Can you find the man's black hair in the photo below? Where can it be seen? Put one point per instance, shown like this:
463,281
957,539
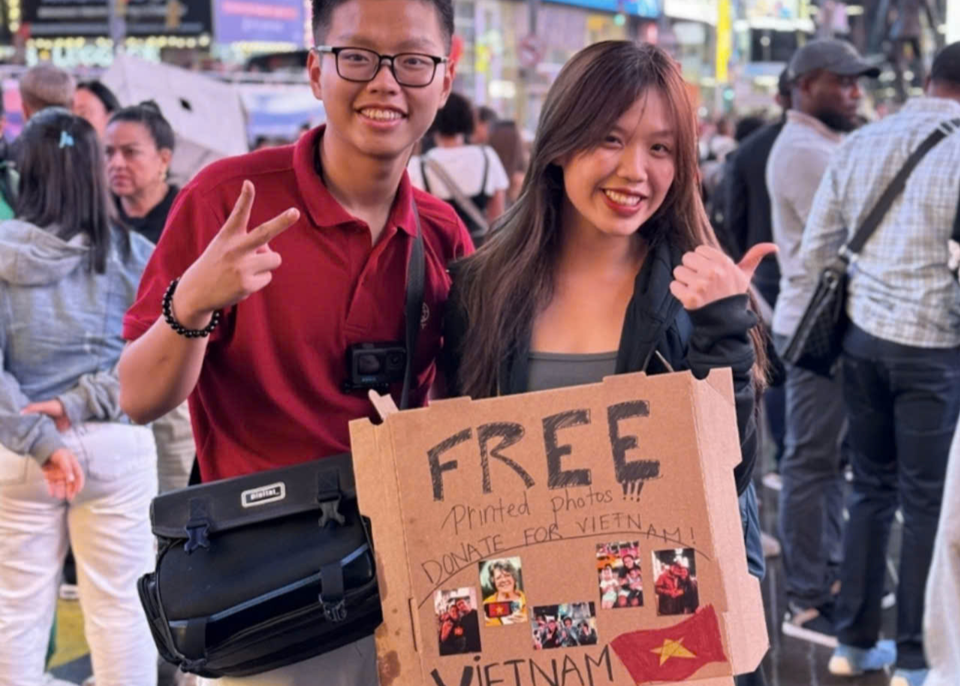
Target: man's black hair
487,115
455,118
946,65
323,11
102,93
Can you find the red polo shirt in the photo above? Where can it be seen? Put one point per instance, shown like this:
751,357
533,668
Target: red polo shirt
270,391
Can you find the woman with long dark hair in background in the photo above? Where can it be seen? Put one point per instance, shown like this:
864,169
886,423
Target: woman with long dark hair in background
74,469
607,263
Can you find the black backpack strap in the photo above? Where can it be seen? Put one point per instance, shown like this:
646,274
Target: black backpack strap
956,223
423,174
894,189
413,309
486,169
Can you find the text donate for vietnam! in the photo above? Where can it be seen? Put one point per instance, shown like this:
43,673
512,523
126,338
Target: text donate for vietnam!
574,488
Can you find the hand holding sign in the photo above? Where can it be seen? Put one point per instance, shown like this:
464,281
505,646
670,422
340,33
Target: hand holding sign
236,264
708,275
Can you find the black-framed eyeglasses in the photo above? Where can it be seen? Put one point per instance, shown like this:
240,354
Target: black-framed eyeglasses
410,69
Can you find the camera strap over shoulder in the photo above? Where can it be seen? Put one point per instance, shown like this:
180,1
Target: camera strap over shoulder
413,312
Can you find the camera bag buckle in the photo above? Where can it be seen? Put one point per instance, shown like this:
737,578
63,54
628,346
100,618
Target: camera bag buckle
198,526
329,496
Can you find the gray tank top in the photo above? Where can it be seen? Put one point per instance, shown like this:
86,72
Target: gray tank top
558,370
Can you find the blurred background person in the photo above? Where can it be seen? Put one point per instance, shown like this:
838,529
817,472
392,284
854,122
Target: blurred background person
45,86
486,122
96,103
80,474
139,146
746,222
825,93
9,180
507,141
469,177
900,360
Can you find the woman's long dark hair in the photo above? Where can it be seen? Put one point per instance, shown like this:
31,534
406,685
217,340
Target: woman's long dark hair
63,182
509,281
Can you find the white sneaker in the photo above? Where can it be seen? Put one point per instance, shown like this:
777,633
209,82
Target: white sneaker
69,592
50,680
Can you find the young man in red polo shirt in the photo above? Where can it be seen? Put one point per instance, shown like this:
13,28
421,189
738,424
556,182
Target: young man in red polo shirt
324,268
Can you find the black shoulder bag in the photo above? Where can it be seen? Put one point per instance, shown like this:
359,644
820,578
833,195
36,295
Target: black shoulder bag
263,571
817,341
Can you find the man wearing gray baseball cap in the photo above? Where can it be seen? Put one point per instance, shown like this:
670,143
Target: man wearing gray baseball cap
825,94
841,61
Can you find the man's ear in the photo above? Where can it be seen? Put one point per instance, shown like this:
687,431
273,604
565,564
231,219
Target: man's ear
314,71
449,74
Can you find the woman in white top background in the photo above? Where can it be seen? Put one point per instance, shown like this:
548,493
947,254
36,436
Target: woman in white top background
476,170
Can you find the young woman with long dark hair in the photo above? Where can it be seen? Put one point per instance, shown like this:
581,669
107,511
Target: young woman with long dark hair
73,470
607,263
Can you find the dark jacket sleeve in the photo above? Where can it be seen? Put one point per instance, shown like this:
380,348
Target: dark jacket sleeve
733,237
721,338
454,330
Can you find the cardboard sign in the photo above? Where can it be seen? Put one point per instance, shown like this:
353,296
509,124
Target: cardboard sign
584,536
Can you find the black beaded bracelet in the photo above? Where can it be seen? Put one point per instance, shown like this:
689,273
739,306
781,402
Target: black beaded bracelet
177,326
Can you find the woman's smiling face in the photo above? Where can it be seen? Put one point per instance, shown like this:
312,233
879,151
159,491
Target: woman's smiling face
504,581
618,185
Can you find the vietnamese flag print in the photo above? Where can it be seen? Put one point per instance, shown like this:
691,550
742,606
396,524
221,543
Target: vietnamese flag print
672,654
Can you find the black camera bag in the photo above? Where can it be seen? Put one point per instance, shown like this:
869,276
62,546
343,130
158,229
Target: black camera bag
262,571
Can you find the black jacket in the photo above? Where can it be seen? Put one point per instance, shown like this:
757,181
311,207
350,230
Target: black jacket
747,218
150,226
714,336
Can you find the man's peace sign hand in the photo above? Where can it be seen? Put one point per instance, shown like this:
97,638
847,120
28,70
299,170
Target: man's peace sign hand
236,264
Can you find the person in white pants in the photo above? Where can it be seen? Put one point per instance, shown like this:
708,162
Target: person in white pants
74,469
108,528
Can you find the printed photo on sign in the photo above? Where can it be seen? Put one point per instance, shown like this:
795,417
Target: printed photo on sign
618,570
458,622
564,626
675,574
503,599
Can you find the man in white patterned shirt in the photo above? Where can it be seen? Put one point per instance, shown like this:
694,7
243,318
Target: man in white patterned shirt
901,359
825,77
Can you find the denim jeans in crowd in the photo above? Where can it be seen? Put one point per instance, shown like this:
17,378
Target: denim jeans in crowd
756,565
811,502
902,404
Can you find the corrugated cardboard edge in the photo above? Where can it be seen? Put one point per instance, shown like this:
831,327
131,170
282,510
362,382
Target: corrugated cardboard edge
744,623
397,636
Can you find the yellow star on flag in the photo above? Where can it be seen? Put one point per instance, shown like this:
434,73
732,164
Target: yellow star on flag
672,649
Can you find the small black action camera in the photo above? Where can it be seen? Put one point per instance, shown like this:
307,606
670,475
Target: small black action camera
374,366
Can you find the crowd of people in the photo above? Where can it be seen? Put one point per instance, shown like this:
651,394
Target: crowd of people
885,419
154,336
